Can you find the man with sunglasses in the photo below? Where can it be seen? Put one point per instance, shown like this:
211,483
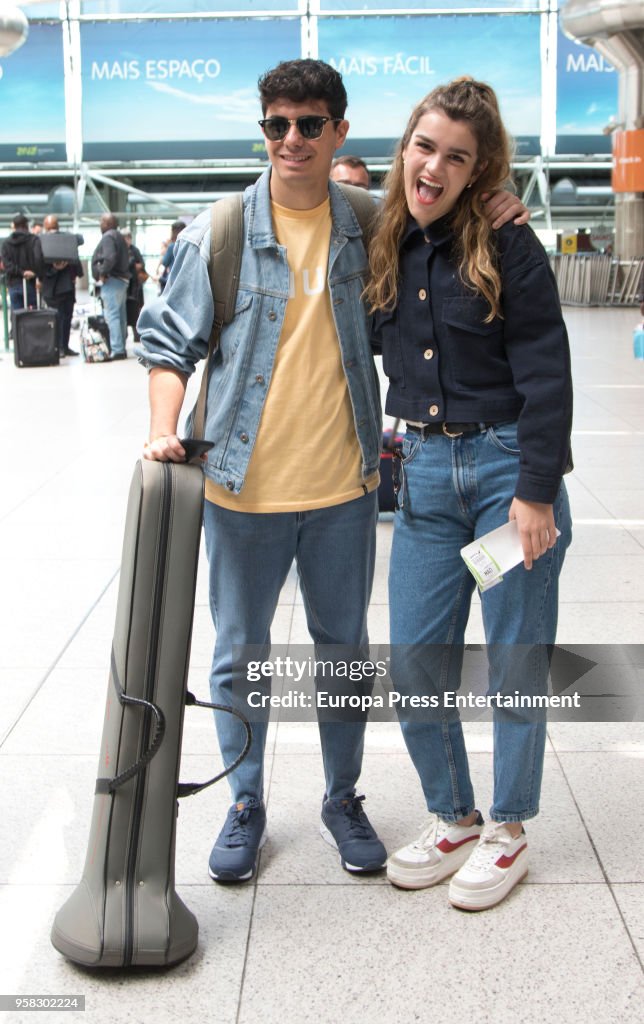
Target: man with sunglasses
294,413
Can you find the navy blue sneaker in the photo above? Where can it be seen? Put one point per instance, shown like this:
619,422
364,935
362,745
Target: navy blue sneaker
234,855
346,826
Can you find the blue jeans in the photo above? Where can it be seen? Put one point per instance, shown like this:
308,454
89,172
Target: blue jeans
453,491
114,295
250,555
17,298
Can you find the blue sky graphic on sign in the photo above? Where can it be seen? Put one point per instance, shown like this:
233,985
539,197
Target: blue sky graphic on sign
586,98
187,88
169,89
32,98
389,64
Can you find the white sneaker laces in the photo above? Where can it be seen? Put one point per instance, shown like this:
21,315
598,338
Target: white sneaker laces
434,830
489,848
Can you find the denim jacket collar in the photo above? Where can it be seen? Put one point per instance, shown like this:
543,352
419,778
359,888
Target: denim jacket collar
260,222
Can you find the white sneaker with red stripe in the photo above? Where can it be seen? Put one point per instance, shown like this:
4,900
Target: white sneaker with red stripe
495,866
440,850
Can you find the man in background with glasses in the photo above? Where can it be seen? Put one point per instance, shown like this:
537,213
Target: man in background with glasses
294,413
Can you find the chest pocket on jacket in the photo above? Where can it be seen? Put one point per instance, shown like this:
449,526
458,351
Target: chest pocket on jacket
386,332
476,349
233,332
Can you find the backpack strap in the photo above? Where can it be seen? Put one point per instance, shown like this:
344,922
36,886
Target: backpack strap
364,208
226,240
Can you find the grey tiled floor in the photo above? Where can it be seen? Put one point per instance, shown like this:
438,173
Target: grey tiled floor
306,941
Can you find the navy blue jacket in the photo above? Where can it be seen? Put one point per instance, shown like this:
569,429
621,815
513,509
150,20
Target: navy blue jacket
445,364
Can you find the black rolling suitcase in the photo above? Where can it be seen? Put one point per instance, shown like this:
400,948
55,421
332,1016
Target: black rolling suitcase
35,335
125,912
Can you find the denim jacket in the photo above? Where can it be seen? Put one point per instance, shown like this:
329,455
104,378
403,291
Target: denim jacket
176,327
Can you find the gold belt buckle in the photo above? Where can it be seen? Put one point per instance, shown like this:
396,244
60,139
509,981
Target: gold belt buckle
448,434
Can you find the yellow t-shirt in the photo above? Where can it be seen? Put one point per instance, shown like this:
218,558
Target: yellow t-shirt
306,453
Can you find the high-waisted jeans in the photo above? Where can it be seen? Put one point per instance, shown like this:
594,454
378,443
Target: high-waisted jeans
453,491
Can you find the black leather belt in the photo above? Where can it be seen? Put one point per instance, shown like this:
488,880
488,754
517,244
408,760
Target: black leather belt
449,429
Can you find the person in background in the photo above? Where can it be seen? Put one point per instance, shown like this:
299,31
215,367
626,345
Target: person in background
111,268
21,260
59,289
350,170
167,259
476,351
37,227
138,276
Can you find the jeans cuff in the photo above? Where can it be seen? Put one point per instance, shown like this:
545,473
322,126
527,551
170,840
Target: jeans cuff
519,816
452,816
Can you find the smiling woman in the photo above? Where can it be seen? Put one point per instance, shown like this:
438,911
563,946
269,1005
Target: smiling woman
454,137
440,161
475,348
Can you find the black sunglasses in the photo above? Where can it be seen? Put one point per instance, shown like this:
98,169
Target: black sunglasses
310,126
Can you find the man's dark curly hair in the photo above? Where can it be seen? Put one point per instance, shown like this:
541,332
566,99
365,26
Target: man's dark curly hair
302,80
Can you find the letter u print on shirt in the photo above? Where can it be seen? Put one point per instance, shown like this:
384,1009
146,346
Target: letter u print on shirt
312,282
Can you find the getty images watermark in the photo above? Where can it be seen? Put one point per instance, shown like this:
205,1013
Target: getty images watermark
430,682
